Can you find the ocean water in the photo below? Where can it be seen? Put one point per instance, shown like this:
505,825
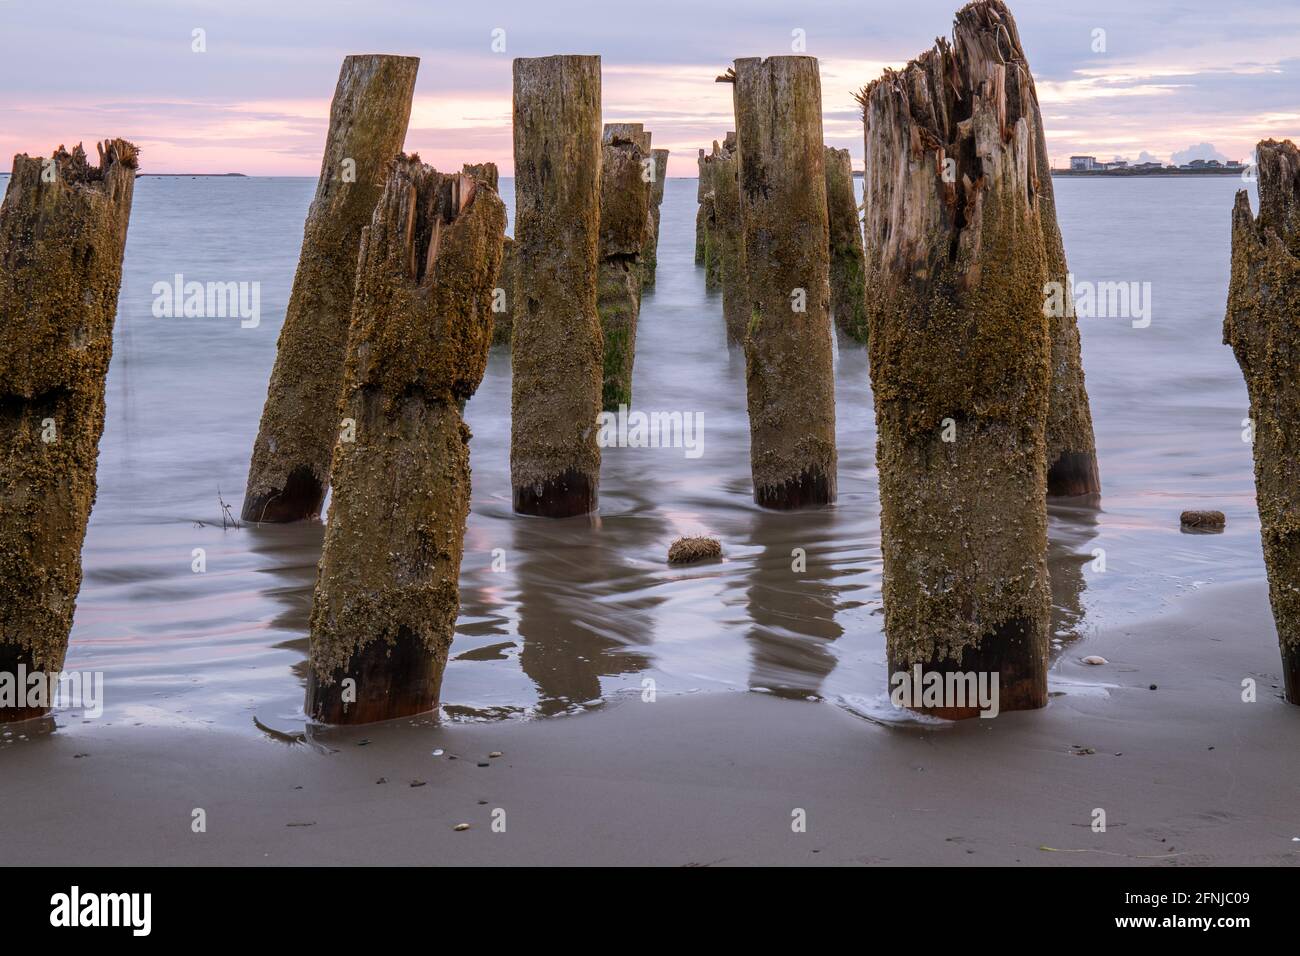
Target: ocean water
585,609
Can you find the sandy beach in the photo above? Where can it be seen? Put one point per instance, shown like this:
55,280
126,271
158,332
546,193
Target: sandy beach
1188,774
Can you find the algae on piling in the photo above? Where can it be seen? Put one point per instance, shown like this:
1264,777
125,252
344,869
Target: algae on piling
1262,325
960,360
63,226
289,471
387,589
557,352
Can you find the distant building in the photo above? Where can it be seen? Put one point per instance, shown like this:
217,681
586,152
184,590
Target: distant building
1083,163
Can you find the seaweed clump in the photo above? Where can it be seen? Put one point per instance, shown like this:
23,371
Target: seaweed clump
688,550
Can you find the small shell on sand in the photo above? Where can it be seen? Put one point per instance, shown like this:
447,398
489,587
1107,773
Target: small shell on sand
690,550
1203,521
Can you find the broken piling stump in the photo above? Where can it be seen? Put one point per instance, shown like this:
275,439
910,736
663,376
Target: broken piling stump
847,262
387,588
63,229
290,465
650,252
791,391
624,210
1263,327
728,242
959,352
557,353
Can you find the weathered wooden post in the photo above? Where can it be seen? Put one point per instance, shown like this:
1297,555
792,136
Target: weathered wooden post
1263,327
291,456
62,233
789,380
624,210
557,355
848,265
960,354
1071,447
728,244
701,218
503,295
650,252
387,589
712,254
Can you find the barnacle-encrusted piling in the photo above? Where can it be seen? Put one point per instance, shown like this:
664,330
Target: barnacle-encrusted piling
788,375
848,266
1263,327
650,252
1071,447
62,233
557,354
960,354
712,254
624,209
503,296
291,456
728,243
387,591
701,216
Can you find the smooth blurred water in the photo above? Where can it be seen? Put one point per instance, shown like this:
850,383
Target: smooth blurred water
588,608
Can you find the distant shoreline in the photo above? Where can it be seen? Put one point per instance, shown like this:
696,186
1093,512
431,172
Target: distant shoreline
1122,173
191,175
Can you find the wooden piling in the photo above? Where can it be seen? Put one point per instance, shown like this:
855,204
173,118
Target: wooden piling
387,589
557,354
289,471
848,264
728,242
709,206
1263,327
650,252
624,209
960,352
63,229
791,390
504,300
701,223
1071,447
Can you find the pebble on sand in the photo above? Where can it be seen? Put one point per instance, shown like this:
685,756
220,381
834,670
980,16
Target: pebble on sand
461,826
1210,522
1095,659
690,550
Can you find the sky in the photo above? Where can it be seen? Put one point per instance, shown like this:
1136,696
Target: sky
1185,78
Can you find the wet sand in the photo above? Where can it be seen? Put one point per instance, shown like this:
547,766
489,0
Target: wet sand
1188,774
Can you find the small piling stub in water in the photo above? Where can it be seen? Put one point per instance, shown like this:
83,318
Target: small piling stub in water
848,265
1202,522
728,241
791,391
959,353
63,229
557,353
387,588
650,252
1263,327
289,471
624,210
